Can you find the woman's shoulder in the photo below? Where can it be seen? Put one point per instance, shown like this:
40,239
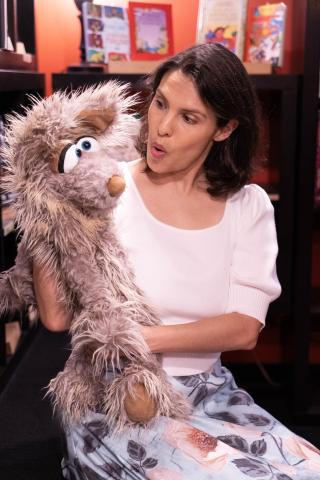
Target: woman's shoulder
251,194
251,201
127,166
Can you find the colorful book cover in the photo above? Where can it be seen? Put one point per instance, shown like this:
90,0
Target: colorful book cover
106,32
150,30
222,21
265,34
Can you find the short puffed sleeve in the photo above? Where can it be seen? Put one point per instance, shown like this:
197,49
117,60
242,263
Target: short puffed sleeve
253,279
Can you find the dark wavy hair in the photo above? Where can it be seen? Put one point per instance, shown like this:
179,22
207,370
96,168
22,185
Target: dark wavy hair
224,85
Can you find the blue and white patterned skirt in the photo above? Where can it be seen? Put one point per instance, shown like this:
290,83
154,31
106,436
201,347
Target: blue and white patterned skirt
227,437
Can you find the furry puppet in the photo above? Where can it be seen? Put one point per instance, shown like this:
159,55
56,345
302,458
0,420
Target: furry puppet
59,163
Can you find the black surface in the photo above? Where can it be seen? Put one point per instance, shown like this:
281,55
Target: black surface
31,439
17,80
26,29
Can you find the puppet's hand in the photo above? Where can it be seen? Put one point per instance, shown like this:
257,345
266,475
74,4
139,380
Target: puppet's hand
108,337
16,288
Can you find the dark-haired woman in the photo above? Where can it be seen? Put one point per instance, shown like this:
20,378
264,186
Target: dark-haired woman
203,246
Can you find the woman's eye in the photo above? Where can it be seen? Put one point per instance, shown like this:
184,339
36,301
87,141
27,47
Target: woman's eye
88,144
69,158
159,103
189,119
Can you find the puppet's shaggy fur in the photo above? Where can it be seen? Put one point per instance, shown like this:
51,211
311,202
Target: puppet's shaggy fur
66,224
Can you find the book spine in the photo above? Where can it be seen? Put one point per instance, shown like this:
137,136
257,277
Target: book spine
3,24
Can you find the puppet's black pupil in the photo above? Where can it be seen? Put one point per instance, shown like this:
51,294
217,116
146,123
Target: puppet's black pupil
86,145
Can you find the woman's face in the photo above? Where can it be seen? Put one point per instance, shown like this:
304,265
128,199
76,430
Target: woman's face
181,127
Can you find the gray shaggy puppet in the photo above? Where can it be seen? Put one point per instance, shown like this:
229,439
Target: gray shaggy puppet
59,162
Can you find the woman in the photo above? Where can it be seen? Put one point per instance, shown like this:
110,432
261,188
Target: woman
203,246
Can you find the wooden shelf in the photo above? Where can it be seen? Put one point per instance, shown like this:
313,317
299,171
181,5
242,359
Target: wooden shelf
12,60
73,80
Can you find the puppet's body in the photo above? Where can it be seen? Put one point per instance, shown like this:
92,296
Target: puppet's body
59,164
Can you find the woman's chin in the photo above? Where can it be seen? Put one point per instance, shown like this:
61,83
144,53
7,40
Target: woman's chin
153,163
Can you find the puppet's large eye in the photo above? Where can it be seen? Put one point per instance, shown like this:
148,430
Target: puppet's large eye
69,158
88,144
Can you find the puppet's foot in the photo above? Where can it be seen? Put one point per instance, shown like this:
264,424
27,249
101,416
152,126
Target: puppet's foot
140,407
140,395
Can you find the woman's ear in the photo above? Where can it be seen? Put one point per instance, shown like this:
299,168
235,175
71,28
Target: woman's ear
224,132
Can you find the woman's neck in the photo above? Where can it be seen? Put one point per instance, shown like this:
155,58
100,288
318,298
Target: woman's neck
182,182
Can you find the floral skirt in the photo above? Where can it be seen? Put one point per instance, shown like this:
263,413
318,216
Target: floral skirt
227,437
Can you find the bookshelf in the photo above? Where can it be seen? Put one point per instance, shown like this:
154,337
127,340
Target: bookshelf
15,86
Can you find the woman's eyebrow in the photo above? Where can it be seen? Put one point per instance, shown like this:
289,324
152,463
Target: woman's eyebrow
197,112
185,110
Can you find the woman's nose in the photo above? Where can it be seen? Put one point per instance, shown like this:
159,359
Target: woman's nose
165,126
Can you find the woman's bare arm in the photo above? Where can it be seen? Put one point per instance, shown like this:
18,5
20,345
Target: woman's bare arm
53,314
231,331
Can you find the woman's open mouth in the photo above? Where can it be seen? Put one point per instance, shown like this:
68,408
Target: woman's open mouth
157,151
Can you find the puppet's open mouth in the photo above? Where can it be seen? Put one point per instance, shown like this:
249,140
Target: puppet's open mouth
115,185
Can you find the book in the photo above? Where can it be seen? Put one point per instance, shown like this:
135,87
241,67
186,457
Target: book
106,33
3,24
150,31
266,33
222,21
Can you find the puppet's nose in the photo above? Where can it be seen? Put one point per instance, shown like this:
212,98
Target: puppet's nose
115,185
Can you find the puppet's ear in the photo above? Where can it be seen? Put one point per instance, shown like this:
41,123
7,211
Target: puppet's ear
96,121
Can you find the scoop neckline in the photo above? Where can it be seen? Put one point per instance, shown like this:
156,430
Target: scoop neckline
167,225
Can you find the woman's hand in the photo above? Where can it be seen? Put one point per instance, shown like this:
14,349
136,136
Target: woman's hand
53,314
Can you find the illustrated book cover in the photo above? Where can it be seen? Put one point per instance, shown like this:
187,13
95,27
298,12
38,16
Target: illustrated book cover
150,30
266,33
106,33
222,21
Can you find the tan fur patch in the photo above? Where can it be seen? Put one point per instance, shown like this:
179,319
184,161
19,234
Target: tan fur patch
96,121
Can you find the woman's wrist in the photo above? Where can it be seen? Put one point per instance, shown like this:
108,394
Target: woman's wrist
156,337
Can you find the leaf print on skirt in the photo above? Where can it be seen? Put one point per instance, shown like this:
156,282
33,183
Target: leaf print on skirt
252,467
301,448
204,448
247,432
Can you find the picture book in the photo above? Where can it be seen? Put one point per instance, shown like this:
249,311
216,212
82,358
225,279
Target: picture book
222,21
265,33
106,33
150,30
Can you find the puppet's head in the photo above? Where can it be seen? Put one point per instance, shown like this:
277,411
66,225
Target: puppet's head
63,149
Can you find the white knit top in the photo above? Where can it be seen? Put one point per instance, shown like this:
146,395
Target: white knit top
191,274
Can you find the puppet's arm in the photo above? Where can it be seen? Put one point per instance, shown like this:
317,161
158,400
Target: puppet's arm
16,287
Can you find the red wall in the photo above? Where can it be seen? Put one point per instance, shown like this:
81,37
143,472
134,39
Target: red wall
58,32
